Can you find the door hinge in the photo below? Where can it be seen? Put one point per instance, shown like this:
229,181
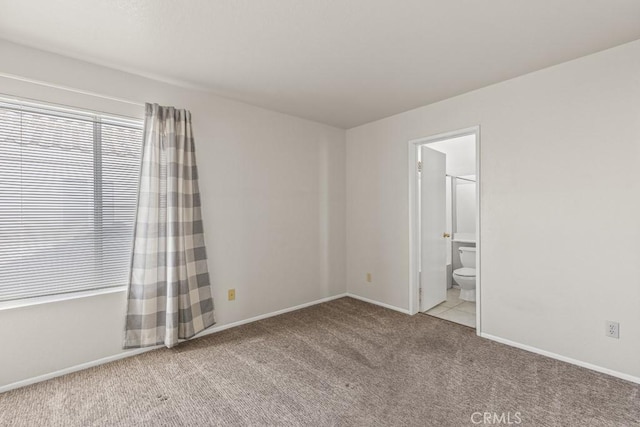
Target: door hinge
419,287
419,166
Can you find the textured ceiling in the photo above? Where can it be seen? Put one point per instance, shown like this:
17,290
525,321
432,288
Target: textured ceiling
341,62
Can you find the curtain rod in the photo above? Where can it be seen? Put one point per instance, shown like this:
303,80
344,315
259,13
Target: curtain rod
70,89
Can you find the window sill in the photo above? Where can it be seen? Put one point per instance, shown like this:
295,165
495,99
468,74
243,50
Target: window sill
28,302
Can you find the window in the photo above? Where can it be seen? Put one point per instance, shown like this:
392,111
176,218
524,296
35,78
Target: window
68,192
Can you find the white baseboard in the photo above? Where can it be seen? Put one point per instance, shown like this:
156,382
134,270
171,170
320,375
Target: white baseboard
381,304
129,353
80,367
563,358
215,329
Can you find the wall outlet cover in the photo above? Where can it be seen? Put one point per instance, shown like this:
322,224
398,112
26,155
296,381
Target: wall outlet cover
613,329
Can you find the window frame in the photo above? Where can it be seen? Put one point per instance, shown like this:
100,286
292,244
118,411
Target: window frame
98,119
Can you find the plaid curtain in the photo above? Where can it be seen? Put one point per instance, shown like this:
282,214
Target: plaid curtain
169,291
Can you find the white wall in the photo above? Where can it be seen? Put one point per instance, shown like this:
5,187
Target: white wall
461,154
465,207
560,150
273,193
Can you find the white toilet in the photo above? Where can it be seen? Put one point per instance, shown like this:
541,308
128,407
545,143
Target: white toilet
466,276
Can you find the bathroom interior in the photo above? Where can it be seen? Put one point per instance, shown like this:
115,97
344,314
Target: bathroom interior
460,233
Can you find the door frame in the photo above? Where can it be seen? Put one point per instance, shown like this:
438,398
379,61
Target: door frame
414,199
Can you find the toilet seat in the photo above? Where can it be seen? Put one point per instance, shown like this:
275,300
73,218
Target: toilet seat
465,272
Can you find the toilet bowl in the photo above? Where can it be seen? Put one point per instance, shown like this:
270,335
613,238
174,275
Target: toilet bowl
466,276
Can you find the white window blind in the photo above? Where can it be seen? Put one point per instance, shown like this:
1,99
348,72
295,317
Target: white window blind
68,192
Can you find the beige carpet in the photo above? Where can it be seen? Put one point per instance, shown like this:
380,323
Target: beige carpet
340,363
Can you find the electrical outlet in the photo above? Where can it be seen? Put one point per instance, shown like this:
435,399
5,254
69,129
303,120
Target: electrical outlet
232,294
613,329
369,278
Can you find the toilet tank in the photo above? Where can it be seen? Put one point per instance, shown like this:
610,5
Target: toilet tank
467,256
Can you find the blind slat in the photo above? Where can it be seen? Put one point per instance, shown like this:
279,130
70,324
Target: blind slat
68,189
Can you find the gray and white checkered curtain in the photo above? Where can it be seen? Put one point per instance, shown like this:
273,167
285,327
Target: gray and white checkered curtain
169,291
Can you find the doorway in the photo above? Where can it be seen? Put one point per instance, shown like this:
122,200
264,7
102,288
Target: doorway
445,226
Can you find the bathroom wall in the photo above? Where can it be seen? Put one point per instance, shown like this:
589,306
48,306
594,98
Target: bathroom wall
553,268
460,152
465,207
465,217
